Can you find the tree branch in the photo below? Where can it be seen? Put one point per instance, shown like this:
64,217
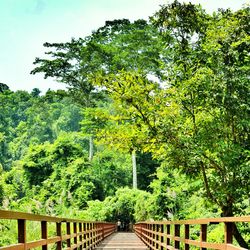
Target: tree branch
209,194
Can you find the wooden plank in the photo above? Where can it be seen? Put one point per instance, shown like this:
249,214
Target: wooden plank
66,237
201,221
219,246
37,243
122,240
14,247
53,240
4,214
13,215
42,242
232,247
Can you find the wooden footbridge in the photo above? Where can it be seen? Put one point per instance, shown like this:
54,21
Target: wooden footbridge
63,233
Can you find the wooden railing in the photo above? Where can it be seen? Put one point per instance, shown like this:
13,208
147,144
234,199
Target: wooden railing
69,233
177,234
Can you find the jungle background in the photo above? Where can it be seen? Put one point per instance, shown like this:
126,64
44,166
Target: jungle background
172,92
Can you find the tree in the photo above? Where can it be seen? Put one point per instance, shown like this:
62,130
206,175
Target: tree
35,92
123,45
70,67
122,206
118,45
12,112
199,123
3,87
146,171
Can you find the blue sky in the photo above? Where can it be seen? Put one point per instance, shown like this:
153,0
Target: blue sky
26,24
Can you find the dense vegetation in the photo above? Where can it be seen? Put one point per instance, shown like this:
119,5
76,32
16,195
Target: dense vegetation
174,90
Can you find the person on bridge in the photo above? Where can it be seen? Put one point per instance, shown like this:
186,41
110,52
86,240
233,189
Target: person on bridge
118,225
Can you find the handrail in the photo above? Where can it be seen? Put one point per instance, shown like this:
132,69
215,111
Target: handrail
171,235
85,234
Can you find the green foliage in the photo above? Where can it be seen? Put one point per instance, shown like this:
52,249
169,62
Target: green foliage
28,119
178,197
3,87
7,236
113,169
54,176
124,205
146,169
37,165
189,126
14,185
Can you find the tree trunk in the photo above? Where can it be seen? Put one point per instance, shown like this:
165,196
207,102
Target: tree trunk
91,148
237,235
134,169
227,211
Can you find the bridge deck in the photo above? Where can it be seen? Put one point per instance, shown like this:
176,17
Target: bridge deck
122,241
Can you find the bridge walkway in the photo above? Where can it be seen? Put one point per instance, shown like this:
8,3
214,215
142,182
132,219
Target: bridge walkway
123,241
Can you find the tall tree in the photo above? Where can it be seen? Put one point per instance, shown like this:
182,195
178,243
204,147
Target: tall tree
118,45
70,66
197,120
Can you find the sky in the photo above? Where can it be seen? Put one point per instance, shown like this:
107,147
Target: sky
26,24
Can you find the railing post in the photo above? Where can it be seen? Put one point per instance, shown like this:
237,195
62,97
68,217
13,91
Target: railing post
187,232
168,234
228,232
98,232
154,235
177,234
80,236
142,230
91,234
94,233
84,235
68,233
149,233
157,236
44,230
162,237
75,232
21,231
88,235
203,234
103,231
59,233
